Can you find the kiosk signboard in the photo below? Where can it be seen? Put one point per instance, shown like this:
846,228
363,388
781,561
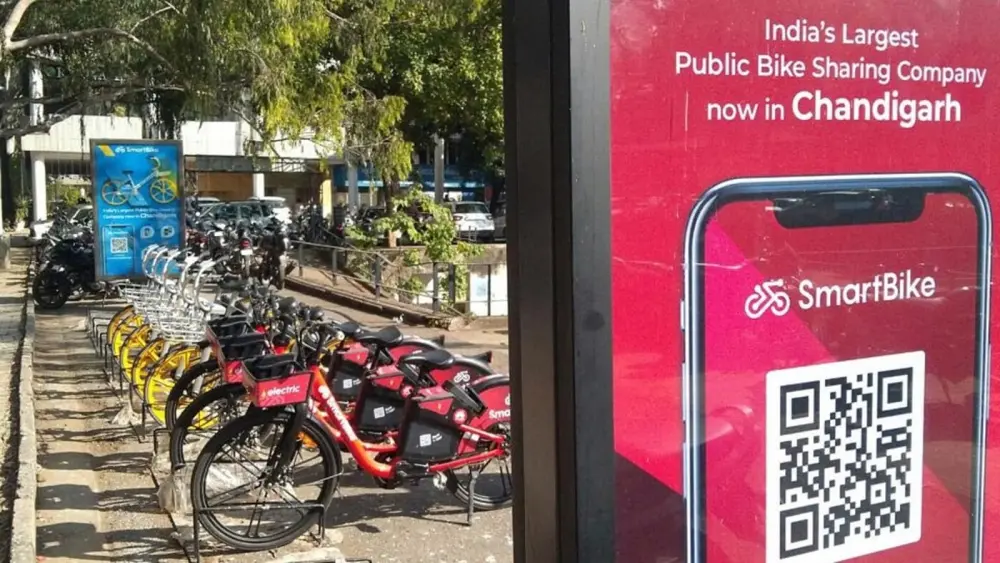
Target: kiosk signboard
138,201
802,219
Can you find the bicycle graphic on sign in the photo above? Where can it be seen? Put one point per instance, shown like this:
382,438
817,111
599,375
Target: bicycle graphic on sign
162,188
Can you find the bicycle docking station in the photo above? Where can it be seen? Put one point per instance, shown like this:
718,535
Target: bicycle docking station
196,525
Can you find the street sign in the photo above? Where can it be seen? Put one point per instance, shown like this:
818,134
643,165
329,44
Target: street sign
138,201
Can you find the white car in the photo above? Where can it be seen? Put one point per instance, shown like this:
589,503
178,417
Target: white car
472,220
278,207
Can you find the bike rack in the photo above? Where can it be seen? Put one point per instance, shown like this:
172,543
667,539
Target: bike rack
196,524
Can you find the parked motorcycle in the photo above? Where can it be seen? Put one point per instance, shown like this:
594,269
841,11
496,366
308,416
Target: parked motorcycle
68,273
272,263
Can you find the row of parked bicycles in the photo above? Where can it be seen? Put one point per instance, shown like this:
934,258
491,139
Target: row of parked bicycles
65,254
262,397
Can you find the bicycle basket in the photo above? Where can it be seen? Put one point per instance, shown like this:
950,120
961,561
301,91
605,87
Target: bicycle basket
227,326
220,330
272,381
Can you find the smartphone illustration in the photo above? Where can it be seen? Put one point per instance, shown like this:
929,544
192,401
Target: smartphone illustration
836,375
118,252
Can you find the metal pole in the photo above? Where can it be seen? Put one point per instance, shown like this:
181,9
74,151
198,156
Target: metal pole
435,301
438,169
451,283
378,277
333,265
300,258
489,290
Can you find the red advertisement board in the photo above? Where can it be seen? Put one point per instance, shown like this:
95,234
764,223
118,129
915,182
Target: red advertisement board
803,203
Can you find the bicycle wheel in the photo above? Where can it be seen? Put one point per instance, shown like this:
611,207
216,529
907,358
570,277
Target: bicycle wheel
486,500
117,338
113,194
163,376
207,413
183,392
135,341
147,358
240,453
124,313
162,191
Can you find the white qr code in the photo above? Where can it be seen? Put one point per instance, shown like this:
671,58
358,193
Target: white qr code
844,458
119,245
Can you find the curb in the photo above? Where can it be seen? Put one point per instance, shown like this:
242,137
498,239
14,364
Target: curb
23,532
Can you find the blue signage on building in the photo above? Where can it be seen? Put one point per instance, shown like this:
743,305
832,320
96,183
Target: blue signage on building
138,201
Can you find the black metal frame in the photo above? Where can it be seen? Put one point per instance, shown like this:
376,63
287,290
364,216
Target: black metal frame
557,106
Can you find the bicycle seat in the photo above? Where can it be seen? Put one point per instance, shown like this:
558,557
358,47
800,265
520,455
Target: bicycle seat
429,359
127,172
349,328
387,337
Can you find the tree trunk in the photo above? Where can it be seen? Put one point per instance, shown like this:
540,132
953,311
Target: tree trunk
391,188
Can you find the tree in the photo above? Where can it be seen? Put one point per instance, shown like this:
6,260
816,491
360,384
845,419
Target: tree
447,63
268,61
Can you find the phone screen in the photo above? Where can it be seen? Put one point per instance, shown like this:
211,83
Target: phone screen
835,388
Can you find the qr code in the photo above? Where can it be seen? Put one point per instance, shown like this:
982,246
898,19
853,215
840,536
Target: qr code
844,458
119,245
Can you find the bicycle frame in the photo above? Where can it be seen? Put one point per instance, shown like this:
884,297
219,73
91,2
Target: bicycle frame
324,407
138,186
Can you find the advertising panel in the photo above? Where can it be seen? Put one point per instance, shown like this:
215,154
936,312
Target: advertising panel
803,203
138,201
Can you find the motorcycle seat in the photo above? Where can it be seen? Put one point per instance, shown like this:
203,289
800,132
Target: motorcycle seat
387,337
428,360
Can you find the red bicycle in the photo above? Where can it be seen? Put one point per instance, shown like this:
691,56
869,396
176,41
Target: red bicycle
294,413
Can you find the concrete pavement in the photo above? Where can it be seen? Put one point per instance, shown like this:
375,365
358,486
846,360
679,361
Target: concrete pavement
97,500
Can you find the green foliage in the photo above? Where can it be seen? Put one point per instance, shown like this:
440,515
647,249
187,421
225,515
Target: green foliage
289,67
445,60
22,208
429,224
66,193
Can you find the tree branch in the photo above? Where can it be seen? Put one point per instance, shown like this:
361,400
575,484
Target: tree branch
166,8
71,111
50,38
102,91
14,20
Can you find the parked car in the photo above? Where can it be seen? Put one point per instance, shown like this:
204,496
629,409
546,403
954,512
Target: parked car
252,211
472,220
278,207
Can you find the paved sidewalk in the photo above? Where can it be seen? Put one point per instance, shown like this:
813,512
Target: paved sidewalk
11,331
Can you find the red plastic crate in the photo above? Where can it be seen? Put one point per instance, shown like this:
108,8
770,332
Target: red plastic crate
233,371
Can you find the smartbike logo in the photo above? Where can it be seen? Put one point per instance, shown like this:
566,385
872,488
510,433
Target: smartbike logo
773,296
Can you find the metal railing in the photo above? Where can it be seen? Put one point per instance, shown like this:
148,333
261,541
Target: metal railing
478,289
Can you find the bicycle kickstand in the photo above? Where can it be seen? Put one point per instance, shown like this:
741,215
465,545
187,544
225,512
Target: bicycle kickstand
472,496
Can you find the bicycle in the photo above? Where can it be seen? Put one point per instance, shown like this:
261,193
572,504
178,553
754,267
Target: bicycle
293,410
162,187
